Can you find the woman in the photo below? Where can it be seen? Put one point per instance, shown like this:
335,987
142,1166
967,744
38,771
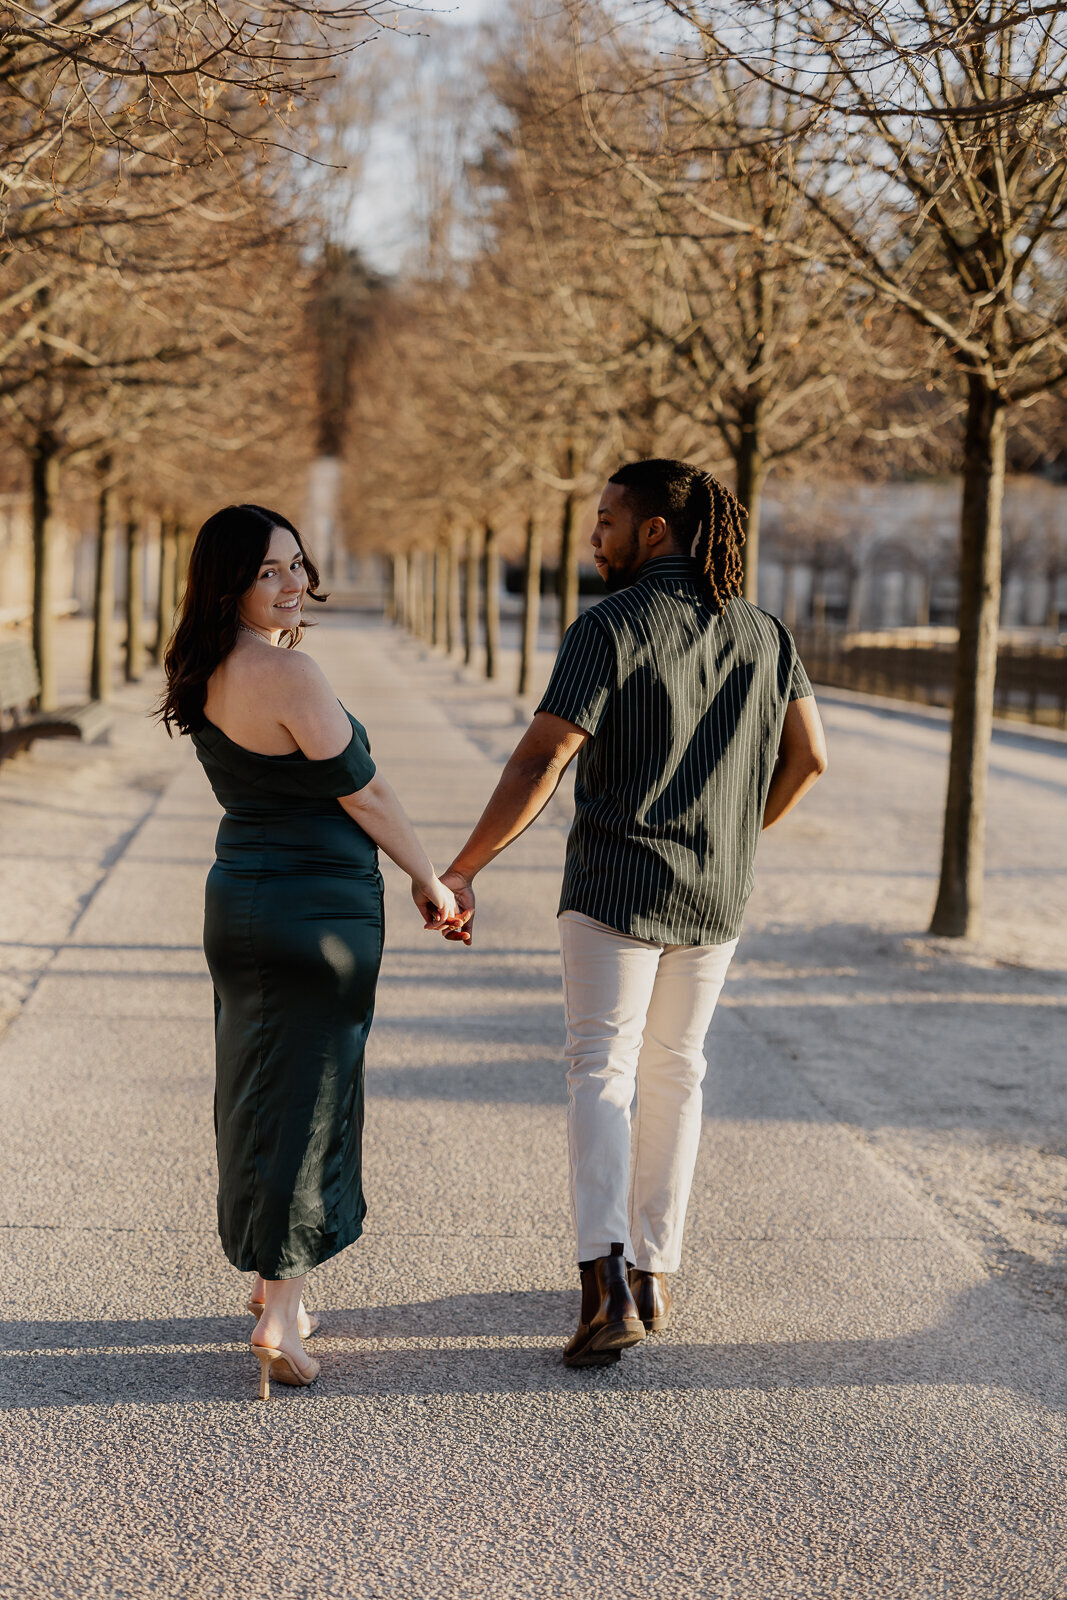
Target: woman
293,919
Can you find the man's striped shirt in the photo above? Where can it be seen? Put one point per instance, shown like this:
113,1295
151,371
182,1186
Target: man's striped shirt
685,709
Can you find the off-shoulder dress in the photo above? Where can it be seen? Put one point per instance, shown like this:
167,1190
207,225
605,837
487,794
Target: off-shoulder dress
293,932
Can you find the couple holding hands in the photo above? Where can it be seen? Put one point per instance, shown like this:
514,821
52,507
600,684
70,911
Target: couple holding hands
694,727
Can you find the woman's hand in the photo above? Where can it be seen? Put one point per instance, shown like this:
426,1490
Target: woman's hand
461,932
436,903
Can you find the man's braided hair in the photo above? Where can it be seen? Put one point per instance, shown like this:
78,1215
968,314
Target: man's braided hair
701,514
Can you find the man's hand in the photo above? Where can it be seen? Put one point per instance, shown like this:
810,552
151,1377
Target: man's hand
463,889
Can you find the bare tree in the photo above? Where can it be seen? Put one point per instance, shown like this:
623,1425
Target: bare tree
104,589
492,601
531,604
764,340
97,102
947,144
471,588
117,353
135,636
168,558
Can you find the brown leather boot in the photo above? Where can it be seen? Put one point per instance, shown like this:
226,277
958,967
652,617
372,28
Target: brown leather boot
653,1298
608,1321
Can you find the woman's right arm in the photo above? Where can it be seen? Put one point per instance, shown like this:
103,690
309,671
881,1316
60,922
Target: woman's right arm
379,813
309,709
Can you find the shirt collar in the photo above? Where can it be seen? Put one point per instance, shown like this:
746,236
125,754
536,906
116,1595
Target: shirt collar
674,568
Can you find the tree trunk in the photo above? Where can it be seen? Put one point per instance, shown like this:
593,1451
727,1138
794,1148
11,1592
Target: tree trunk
470,599
427,596
389,563
440,594
789,598
134,597
751,474
1052,601
452,610
568,566
414,591
858,589
958,911
168,560
531,605
398,600
818,601
492,602
103,598
44,465
184,549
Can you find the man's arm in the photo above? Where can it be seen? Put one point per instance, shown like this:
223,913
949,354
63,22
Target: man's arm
526,785
801,758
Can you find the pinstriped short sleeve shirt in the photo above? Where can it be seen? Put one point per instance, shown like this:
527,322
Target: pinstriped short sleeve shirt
685,709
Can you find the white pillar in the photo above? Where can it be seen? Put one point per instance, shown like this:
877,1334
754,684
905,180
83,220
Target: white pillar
322,522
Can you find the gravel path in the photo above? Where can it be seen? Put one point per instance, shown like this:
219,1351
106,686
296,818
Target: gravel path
865,1388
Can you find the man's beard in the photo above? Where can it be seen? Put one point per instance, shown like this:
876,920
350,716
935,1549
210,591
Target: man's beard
621,577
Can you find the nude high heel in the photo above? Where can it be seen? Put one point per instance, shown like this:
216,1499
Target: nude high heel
277,1365
314,1320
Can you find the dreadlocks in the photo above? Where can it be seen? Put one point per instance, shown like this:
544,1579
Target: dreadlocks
702,517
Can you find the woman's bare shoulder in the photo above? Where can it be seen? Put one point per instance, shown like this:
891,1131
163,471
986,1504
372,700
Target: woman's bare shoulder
257,680
299,676
286,671
261,693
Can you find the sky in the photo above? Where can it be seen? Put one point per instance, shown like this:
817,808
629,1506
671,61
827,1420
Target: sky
382,218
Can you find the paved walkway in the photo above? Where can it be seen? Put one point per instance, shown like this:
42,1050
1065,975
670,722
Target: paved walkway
865,1390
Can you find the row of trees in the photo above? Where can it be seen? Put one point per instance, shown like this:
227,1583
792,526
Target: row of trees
815,237
160,242
812,240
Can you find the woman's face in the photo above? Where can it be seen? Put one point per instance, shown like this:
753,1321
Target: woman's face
275,599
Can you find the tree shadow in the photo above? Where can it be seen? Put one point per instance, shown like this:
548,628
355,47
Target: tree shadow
531,1082
445,1351
1022,738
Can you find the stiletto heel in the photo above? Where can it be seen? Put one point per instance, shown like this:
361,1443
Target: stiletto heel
264,1370
281,1367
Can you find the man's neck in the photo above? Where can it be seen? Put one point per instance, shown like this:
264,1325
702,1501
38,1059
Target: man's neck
658,553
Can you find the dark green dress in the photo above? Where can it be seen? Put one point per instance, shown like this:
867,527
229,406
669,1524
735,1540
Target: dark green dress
293,930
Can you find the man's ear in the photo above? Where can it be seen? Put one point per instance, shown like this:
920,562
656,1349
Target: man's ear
655,530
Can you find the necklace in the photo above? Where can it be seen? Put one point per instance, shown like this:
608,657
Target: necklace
244,629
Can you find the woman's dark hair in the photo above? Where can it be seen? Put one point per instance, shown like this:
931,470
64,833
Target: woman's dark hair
701,515
225,561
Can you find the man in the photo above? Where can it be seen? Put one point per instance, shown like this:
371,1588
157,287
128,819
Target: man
694,726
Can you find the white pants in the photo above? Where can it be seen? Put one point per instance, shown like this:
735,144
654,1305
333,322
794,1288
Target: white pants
637,1014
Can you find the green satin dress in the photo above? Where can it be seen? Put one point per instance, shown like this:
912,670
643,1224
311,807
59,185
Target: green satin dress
293,931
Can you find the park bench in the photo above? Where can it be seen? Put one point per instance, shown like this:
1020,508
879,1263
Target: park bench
19,685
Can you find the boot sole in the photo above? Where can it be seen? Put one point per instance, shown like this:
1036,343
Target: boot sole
656,1324
592,1358
618,1335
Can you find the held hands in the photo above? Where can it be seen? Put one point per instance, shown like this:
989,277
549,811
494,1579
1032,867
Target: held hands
463,889
439,909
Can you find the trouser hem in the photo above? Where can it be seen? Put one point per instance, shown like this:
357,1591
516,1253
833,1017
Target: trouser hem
595,1252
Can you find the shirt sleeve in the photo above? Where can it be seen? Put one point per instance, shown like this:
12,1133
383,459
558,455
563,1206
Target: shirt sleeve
583,677
800,686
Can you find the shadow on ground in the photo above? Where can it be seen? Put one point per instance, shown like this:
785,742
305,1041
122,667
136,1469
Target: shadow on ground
66,1364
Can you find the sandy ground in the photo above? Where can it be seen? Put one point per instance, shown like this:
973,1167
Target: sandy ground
67,813
864,1390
